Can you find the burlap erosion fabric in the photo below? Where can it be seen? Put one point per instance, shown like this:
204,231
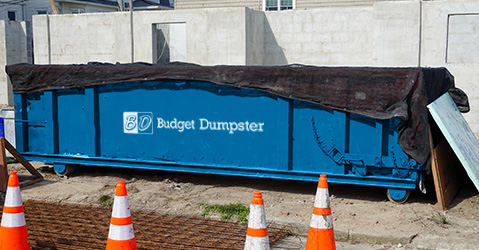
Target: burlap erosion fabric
380,93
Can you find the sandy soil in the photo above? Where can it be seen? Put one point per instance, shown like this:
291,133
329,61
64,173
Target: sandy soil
360,214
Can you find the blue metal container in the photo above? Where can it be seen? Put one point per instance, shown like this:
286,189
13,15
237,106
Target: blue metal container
201,127
2,128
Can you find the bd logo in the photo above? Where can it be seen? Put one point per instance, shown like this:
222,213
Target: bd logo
138,122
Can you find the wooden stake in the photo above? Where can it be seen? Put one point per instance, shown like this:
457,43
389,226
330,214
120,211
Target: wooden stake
52,3
3,166
4,144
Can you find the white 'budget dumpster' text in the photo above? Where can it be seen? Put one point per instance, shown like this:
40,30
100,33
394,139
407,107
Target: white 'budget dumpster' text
205,124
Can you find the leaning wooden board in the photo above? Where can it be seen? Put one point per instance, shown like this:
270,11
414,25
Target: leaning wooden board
446,169
458,135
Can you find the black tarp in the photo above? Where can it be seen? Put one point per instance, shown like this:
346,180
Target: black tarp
380,93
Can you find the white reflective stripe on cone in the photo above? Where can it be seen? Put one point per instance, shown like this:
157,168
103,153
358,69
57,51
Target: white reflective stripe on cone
322,198
257,243
121,208
13,220
255,220
322,221
13,198
121,232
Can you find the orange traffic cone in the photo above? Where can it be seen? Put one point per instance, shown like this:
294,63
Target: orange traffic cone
13,230
257,233
321,232
121,234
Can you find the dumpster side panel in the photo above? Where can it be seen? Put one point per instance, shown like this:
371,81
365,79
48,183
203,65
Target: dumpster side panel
364,135
194,123
36,112
314,125
20,127
75,119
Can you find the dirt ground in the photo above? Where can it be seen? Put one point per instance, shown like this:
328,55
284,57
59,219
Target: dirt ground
61,226
360,214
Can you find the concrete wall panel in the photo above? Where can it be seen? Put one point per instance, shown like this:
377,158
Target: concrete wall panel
41,39
178,42
13,49
463,38
254,37
66,39
327,36
4,90
397,33
213,36
436,16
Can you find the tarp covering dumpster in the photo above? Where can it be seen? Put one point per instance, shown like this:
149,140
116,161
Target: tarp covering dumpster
380,93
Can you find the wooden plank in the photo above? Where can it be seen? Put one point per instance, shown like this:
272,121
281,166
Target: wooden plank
447,173
435,173
22,160
30,182
3,166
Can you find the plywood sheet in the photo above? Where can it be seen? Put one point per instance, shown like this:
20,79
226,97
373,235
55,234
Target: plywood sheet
458,134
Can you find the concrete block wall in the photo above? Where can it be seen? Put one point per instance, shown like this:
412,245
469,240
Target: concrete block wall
16,33
13,49
326,36
66,39
396,32
5,86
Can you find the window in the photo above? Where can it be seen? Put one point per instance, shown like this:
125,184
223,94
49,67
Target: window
77,10
12,16
42,12
270,5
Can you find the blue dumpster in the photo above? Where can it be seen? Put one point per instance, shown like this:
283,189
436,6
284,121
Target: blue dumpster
185,121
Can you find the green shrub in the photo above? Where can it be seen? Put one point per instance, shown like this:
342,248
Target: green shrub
105,200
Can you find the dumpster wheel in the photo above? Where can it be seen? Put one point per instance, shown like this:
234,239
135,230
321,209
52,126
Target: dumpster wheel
398,195
63,169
